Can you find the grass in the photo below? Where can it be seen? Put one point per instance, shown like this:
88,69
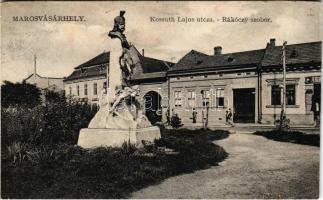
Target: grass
291,136
67,171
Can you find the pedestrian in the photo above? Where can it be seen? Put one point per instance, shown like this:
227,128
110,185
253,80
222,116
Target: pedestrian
228,117
168,116
194,114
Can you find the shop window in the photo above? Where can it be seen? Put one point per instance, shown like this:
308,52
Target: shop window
78,90
178,98
191,96
95,88
220,97
290,95
85,89
275,95
105,87
205,98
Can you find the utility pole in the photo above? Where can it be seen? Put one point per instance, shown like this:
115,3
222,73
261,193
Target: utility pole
283,109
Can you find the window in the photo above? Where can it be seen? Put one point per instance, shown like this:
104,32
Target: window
178,99
95,88
85,89
105,87
70,91
78,90
191,95
220,97
275,95
205,98
290,95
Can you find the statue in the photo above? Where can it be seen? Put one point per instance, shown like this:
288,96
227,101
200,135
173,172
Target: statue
129,58
118,29
120,119
123,111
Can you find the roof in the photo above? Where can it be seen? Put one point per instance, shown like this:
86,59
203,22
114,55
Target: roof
31,75
103,58
150,65
88,72
153,75
189,60
96,66
197,61
295,54
152,68
270,56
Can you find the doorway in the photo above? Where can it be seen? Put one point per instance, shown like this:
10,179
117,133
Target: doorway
316,102
153,107
244,105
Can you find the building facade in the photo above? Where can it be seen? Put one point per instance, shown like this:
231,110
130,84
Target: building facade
88,80
249,83
45,83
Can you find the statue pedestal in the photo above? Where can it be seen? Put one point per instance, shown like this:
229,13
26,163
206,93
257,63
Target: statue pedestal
96,137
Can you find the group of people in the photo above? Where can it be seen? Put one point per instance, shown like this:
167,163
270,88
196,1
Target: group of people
175,118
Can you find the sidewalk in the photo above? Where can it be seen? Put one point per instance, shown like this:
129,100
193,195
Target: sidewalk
252,127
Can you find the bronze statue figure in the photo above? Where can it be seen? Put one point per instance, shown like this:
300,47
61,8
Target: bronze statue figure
129,58
118,29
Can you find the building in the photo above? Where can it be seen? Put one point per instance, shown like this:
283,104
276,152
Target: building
249,82
44,83
303,82
88,80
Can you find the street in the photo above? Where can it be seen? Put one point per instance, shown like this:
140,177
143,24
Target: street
256,168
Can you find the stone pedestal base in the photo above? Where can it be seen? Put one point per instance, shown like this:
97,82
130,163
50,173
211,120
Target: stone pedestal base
96,137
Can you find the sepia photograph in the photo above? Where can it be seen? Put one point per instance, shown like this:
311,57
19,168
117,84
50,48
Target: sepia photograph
160,99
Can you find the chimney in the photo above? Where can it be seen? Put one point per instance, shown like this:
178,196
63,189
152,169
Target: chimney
272,42
143,52
217,50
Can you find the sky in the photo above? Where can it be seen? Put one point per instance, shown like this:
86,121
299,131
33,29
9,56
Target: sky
62,46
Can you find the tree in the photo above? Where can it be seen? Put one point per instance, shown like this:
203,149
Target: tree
52,96
19,94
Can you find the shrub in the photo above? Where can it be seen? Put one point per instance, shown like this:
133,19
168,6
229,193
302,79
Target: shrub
176,122
108,172
16,152
51,123
41,155
291,136
128,148
19,94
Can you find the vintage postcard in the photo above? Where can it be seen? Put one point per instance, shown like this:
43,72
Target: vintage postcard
160,99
